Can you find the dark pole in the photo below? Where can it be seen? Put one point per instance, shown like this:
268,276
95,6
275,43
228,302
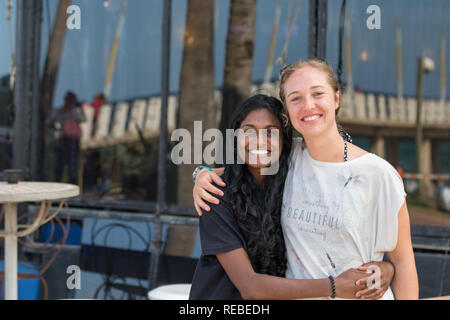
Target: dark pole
419,133
26,93
419,136
317,29
20,125
37,156
161,200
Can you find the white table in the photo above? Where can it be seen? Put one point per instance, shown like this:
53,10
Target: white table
10,196
178,291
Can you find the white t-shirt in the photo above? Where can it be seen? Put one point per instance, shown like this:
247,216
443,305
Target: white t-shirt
339,215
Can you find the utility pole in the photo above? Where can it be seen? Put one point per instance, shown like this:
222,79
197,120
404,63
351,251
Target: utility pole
317,44
26,93
424,65
162,151
399,58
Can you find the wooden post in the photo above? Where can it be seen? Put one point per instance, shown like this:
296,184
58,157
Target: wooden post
419,136
399,61
426,187
377,146
392,151
114,51
423,147
348,62
436,164
11,251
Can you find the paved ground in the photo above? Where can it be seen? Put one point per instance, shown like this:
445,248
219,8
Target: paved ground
426,216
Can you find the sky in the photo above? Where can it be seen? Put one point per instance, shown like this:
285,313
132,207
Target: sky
137,74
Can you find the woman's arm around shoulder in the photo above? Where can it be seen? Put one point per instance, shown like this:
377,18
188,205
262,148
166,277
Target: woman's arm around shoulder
258,286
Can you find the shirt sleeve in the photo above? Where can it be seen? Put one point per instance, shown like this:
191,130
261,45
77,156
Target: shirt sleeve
391,197
219,230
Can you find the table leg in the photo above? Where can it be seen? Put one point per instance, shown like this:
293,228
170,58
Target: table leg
11,251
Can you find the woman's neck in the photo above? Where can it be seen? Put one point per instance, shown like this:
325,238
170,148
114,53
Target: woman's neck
327,147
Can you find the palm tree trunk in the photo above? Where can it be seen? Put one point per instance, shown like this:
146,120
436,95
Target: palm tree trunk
196,103
49,78
239,57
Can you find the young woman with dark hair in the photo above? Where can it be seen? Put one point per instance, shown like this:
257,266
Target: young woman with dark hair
243,249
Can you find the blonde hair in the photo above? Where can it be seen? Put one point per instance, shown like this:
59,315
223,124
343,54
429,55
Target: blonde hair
321,65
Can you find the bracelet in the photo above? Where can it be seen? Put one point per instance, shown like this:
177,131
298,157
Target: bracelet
333,287
196,171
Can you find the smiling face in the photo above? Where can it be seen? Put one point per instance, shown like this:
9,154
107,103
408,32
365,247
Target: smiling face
311,101
262,143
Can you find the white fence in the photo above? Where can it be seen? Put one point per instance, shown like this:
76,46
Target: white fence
119,123
390,110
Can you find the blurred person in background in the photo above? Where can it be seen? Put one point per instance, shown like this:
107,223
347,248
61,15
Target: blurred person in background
69,117
97,102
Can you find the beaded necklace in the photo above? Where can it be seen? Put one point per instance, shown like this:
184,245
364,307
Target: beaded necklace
346,138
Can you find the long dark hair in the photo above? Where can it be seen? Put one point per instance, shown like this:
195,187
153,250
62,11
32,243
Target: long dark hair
258,210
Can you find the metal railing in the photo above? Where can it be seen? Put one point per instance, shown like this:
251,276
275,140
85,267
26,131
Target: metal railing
100,210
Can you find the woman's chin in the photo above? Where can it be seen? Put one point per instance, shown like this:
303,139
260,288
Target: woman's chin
260,164
259,161
311,132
